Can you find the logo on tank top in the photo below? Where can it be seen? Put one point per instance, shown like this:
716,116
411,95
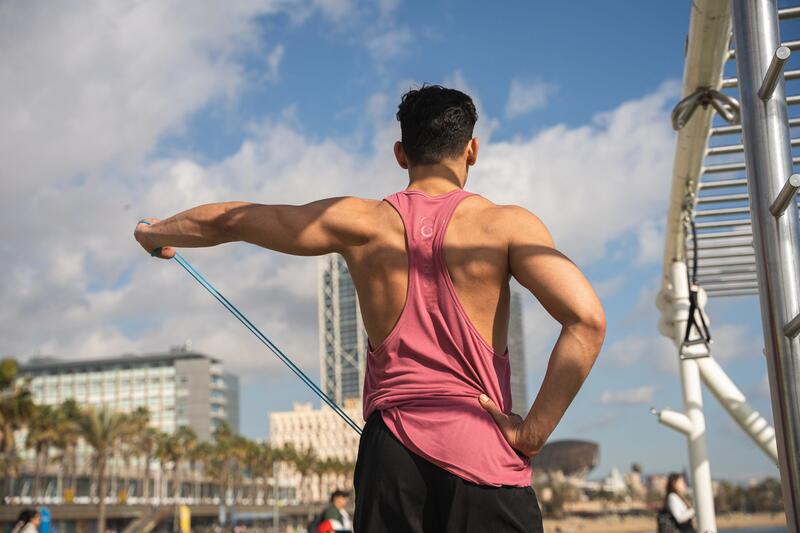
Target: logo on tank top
426,227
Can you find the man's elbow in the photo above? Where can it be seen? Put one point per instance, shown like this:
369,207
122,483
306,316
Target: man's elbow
591,326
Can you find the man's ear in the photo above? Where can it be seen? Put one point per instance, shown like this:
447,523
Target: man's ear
400,155
472,151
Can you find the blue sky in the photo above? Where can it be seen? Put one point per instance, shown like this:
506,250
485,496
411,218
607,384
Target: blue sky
146,109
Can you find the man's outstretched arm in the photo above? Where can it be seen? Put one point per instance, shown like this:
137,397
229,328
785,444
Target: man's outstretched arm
317,228
569,298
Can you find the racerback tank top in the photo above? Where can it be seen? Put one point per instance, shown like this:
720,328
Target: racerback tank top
426,376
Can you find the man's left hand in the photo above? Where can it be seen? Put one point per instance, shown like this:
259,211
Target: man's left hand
142,235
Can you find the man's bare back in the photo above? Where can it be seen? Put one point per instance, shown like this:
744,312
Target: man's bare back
476,253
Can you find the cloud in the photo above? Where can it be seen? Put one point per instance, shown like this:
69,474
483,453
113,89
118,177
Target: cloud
274,59
635,349
589,184
639,395
83,288
524,97
650,238
388,44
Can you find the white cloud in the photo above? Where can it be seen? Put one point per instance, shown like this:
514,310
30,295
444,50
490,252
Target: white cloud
527,96
648,349
388,44
84,288
589,184
735,341
639,395
274,60
650,238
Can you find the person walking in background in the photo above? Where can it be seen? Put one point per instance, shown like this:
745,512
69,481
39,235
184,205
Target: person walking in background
27,522
334,518
676,515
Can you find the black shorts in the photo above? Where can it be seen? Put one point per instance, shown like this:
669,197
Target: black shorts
397,491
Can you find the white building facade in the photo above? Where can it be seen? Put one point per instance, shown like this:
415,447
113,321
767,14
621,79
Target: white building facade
319,429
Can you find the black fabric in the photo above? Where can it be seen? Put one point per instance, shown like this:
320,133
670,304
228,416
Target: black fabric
396,491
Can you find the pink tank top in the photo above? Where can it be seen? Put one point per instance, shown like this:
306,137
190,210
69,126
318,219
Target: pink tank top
425,378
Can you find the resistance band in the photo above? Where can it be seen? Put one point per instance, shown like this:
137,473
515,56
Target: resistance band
260,336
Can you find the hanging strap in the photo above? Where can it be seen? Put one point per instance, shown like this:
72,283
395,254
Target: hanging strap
704,335
260,336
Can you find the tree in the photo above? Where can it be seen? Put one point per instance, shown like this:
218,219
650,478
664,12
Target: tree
103,429
69,436
185,443
16,409
44,432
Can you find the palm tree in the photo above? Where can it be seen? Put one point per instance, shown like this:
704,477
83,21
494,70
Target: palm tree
167,453
201,458
186,442
16,408
43,433
146,443
69,435
103,429
305,462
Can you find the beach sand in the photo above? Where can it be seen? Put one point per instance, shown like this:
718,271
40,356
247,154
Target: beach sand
614,524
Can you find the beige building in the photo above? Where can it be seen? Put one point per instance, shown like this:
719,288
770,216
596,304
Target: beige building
321,429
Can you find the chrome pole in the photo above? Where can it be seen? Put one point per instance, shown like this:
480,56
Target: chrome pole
775,239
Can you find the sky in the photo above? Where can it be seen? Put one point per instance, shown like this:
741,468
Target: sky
117,111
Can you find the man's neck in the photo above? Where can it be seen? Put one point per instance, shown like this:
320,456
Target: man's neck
439,178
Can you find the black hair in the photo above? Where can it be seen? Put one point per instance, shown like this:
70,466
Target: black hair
338,492
671,481
26,515
435,123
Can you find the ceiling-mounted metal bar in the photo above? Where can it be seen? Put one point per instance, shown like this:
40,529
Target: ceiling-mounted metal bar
730,167
722,223
789,13
721,254
728,234
724,286
737,128
723,271
792,328
722,198
734,149
785,197
722,184
722,212
774,70
721,293
729,83
791,45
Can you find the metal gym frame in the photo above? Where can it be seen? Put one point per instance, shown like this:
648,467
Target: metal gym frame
732,229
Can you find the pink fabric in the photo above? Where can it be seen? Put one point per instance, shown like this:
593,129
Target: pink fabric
426,377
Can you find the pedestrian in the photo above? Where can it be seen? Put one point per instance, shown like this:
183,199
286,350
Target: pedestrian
676,514
28,521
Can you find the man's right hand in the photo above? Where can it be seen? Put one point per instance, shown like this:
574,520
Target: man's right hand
513,429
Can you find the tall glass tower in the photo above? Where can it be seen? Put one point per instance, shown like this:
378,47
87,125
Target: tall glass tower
342,339
516,352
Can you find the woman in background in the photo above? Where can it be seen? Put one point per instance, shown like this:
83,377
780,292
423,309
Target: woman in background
27,522
677,514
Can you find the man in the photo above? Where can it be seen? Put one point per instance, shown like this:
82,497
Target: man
334,517
441,451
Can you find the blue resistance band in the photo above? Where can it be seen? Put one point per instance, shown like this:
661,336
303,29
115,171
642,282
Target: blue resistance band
260,336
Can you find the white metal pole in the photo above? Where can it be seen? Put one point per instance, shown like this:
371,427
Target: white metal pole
693,406
732,399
